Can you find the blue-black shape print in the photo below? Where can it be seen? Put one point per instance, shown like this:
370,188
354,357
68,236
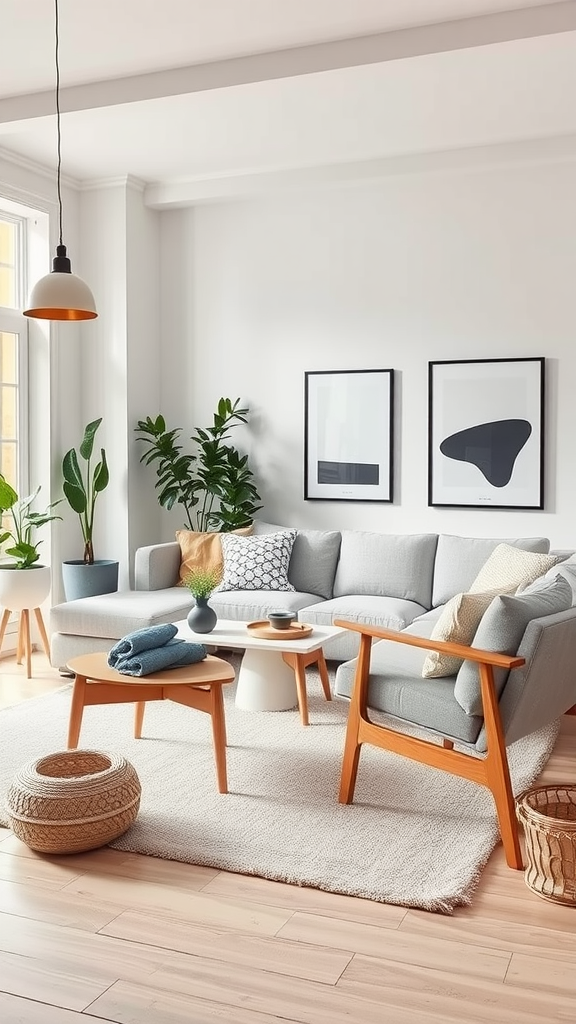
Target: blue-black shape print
492,447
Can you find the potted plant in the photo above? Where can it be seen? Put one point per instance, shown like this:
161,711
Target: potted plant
201,582
30,587
214,483
87,576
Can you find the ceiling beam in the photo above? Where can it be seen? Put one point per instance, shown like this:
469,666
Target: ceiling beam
300,60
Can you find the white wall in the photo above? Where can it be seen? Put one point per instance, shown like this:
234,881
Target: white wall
457,264
120,358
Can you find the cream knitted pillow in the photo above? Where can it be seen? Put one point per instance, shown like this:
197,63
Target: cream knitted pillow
508,567
458,623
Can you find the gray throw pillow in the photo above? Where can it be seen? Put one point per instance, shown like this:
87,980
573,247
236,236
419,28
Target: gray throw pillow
501,629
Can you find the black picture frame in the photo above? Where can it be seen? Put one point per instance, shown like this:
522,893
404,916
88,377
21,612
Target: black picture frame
349,435
486,433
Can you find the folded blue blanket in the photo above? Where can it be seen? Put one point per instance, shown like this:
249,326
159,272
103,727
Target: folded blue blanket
174,654
141,640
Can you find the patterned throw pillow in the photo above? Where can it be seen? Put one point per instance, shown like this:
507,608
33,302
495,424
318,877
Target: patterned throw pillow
508,567
257,563
457,623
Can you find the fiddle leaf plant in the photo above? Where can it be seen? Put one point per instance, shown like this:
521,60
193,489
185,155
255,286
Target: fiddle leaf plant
24,521
213,483
82,488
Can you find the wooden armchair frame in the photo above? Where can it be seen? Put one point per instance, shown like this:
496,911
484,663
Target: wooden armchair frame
491,771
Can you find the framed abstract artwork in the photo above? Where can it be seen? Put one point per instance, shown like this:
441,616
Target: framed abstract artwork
486,433
348,435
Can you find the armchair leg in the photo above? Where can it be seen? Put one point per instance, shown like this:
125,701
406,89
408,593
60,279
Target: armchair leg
497,772
350,760
356,713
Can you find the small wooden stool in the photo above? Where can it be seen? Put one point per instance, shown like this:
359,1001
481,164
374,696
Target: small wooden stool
24,646
197,686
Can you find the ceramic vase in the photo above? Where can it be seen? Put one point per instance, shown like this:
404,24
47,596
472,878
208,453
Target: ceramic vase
202,618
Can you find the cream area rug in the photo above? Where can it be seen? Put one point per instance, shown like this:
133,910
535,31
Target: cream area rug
414,835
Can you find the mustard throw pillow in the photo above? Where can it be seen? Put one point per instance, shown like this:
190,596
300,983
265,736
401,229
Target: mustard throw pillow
202,550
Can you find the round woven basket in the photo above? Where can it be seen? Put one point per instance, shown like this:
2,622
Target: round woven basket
73,800
548,814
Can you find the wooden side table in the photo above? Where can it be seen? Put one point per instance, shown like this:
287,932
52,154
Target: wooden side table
24,646
196,686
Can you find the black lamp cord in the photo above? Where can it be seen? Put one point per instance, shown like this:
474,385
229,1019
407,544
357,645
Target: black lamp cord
57,37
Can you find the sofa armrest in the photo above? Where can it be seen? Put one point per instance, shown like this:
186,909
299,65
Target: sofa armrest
446,647
156,566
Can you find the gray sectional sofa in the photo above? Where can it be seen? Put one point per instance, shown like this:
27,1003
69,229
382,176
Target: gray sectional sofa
386,580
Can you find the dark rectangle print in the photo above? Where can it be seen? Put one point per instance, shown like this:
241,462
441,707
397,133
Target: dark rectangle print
348,435
486,433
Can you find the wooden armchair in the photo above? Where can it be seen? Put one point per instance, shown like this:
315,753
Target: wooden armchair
490,771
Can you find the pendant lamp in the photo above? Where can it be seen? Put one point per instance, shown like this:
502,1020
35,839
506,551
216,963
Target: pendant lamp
60,295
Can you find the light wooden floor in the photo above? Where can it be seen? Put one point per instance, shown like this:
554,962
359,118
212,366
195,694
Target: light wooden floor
135,940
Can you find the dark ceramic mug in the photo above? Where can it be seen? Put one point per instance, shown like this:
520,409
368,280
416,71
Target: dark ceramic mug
281,619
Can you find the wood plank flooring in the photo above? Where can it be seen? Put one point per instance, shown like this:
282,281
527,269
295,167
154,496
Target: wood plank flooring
117,937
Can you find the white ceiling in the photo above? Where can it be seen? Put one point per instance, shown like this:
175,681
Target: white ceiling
181,90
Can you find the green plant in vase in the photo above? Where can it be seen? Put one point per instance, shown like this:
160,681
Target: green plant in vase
24,550
82,489
201,583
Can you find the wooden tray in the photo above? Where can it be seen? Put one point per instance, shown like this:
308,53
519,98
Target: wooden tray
263,630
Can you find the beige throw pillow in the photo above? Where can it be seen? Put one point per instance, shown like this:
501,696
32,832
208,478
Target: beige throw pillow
508,567
457,623
202,551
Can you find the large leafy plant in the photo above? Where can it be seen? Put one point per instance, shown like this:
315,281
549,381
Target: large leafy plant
24,521
82,489
213,483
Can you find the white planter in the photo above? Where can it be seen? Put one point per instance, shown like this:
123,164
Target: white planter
24,588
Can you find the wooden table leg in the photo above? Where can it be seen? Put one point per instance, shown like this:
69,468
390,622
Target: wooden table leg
42,631
299,662
139,709
3,624
76,711
219,735
323,673
19,647
26,640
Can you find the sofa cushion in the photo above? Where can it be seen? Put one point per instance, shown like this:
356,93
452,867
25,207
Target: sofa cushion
508,567
386,565
248,605
457,624
256,563
202,550
387,612
396,687
314,558
114,615
459,560
501,629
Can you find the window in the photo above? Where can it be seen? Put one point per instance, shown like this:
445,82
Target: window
13,352
11,261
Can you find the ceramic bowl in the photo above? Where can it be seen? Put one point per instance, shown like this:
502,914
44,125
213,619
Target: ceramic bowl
281,619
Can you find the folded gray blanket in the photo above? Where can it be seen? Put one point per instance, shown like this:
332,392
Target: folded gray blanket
141,640
174,654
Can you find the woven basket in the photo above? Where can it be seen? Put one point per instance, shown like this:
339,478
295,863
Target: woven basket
73,800
548,814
